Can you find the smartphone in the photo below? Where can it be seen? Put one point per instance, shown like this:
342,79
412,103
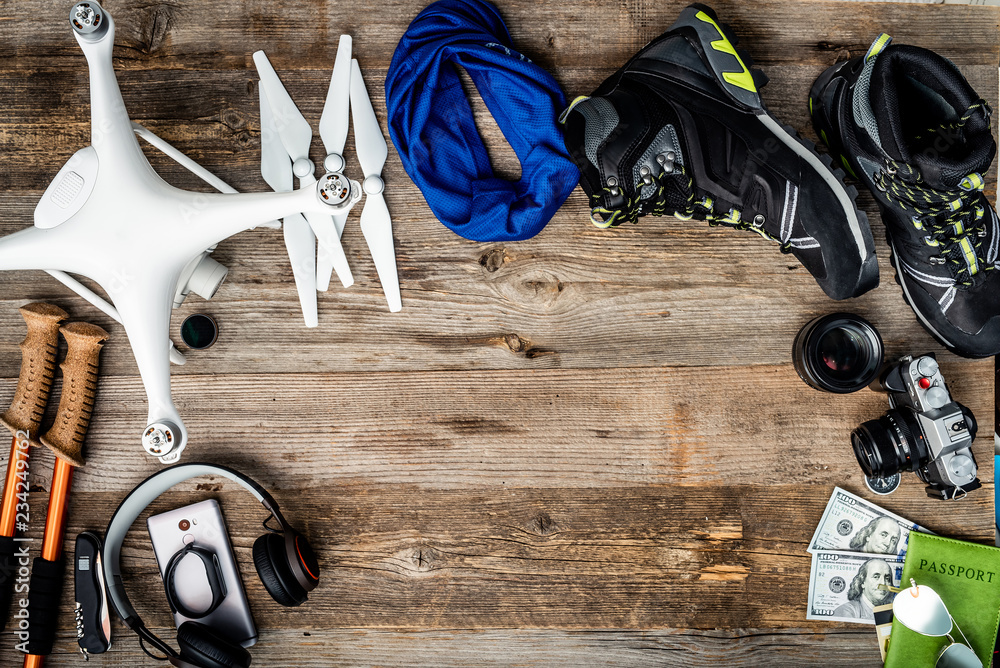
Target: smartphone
202,522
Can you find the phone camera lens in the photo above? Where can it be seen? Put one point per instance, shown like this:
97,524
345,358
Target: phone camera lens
183,525
838,353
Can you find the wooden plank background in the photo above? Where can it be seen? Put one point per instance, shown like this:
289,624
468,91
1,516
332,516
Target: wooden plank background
586,448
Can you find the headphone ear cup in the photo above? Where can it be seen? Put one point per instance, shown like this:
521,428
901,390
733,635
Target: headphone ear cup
205,648
272,566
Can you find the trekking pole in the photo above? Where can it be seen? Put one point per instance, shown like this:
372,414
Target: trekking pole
65,439
24,419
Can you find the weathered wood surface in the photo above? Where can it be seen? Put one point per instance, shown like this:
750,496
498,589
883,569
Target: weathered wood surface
612,648
586,448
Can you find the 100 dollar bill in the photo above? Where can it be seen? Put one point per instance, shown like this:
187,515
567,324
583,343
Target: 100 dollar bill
852,524
845,586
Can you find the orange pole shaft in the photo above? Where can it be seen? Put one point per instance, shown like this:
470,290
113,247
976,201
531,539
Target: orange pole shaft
55,520
55,528
8,512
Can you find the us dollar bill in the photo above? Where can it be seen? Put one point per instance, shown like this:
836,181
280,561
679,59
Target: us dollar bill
852,524
847,586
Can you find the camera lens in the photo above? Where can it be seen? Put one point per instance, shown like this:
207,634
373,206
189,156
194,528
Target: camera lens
838,353
199,331
890,444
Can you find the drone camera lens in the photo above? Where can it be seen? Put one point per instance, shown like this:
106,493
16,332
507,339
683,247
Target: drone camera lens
199,331
838,353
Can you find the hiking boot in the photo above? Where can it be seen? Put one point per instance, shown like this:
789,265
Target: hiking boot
681,130
906,123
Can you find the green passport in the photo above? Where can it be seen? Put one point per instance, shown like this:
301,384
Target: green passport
967,577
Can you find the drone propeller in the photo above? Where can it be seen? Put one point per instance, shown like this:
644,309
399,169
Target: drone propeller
276,168
376,224
333,126
296,136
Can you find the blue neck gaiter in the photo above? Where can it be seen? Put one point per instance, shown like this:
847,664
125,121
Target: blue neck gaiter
431,123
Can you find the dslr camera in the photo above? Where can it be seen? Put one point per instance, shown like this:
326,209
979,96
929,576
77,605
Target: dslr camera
925,431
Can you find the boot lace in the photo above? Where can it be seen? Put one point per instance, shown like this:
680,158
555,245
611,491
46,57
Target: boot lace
953,221
692,207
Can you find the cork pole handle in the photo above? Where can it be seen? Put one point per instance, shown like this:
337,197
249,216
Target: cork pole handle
79,391
38,369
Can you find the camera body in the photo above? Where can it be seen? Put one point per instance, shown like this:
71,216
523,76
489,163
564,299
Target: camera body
925,431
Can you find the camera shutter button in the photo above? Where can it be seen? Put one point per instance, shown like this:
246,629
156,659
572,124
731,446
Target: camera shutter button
937,397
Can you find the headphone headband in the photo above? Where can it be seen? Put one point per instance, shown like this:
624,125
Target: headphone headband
137,501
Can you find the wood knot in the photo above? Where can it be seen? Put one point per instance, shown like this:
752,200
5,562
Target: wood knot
423,558
522,346
548,287
156,27
543,524
840,52
516,343
233,120
828,46
493,259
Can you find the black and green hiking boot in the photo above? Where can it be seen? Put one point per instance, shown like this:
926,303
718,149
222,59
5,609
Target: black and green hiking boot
681,130
909,126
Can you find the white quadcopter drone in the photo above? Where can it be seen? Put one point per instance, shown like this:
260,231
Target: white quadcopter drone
109,216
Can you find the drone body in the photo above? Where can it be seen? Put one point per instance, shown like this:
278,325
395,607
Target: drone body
110,217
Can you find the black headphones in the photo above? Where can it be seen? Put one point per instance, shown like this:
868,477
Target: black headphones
284,560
